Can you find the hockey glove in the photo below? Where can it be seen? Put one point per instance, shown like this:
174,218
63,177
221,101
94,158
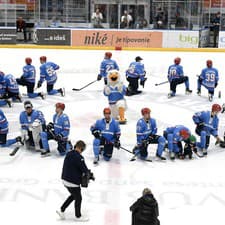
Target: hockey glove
58,137
216,85
97,134
117,144
99,77
144,143
39,84
200,126
50,126
142,83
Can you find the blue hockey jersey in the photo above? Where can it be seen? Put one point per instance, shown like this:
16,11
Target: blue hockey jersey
175,131
106,66
210,123
48,72
209,77
136,70
26,120
175,71
3,123
145,128
29,73
61,125
110,131
11,83
115,95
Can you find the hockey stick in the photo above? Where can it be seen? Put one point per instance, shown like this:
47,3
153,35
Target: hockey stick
79,89
127,150
164,82
197,154
14,151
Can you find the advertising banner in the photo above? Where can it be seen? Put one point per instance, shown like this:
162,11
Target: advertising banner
180,39
221,40
7,35
54,36
115,38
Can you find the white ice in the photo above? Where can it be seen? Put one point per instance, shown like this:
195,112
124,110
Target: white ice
188,192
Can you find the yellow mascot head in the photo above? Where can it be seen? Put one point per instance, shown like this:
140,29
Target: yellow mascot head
113,77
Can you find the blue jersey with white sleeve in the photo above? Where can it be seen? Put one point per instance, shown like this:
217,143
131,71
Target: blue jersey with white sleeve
115,94
48,72
61,125
106,66
209,77
175,71
175,131
29,73
11,83
110,131
209,122
145,128
3,123
136,70
26,120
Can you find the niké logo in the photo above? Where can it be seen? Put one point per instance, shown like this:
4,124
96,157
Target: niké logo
96,39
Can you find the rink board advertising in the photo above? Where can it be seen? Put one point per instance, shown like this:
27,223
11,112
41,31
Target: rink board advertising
53,37
106,38
7,35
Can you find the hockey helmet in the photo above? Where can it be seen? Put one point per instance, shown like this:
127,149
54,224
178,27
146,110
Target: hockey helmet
108,55
192,139
184,134
106,111
216,108
60,105
177,60
138,58
209,63
28,104
28,60
43,58
145,111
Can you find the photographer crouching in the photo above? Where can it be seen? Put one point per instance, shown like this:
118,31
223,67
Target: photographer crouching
75,174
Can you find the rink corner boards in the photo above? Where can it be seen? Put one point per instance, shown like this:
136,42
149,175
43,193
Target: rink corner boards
118,48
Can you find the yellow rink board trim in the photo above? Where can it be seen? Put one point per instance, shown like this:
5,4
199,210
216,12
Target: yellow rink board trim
31,46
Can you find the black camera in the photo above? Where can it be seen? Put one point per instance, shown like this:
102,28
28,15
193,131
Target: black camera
86,177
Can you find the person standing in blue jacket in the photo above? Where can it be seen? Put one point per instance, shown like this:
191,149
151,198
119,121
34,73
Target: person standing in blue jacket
146,131
106,65
174,136
207,123
208,78
28,79
107,135
48,73
135,72
57,130
4,129
176,76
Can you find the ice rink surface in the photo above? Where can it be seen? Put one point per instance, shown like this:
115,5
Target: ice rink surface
188,191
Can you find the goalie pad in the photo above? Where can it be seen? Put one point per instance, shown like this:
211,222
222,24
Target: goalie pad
36,129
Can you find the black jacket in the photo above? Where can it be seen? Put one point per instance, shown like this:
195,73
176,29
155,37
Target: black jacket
73,167
145,211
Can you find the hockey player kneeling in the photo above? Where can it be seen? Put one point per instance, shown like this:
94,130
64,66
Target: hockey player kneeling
32,124
107,134
146,131
58,131
115,91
